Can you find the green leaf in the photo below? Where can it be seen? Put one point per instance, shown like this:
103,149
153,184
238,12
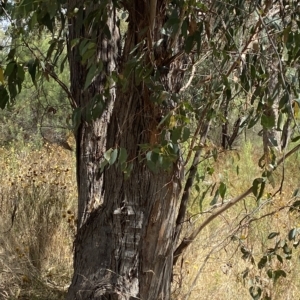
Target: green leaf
176,134
292,234
12,90
148,155
11,54
74,42
280,122
185,134
103,164
4,97
279,258
296,192
215,154
262,262
62,65
255,185
47,21
98,109
284,100
152,166
278,273
122,155
286,249
268,122
53,45
87,55
215,199
20,73
295,206
272,235
32,66
189,43
255,292
222,190
82,45
113,156
128,170
76,118
10,68
210,170
270,273
184,27
33,21
155,156
261,191
253,121
1,76
90,76
295,139
107,154
52,8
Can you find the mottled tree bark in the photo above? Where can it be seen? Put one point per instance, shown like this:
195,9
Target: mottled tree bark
271,136
91,136
124,245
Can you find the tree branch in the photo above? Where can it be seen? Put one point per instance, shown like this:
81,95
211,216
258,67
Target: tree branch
188,185
188,240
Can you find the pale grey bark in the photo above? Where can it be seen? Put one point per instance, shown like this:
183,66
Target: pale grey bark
272,136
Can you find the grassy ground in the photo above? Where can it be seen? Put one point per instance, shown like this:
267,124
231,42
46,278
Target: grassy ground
38,195
215,267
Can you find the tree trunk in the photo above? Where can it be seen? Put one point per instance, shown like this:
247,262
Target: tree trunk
271,134
124,245
91,135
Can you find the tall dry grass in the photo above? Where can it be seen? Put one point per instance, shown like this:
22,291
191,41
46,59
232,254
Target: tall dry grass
38,197
37,207
214,267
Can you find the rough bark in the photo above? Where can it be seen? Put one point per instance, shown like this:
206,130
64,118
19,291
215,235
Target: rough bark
271,136
124,245
91,136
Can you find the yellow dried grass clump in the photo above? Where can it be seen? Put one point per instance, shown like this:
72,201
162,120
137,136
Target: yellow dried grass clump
37,188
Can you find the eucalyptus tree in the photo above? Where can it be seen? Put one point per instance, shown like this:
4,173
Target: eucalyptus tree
131,117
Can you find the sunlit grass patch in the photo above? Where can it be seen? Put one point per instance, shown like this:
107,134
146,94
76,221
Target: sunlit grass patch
38,188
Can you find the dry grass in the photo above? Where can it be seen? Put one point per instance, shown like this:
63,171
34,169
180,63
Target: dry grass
38,192
213,267
38,195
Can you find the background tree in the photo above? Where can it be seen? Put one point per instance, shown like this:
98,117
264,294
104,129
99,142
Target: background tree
130,119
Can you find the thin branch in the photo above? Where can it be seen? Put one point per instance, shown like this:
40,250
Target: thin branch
177,34
195,136
55,77
50,73
188,186
153,5
193,72
188,240
248,43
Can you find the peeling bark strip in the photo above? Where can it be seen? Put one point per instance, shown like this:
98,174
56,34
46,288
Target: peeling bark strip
124,247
